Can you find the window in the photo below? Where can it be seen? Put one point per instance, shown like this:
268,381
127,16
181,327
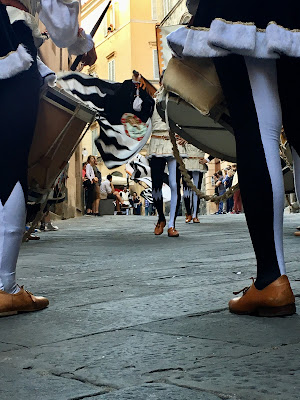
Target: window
104,26
111,71
112,19
155,65
154,9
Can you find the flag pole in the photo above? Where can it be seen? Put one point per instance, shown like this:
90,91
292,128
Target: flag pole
93,32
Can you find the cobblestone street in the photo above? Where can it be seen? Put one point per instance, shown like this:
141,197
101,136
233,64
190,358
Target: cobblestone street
134,316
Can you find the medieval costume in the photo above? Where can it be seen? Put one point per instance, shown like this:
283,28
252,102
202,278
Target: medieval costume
255,47
196,169
20,83
160,154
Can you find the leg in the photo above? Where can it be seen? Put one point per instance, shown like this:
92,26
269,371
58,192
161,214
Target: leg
96,206
119,198
239,201
237,207
118,205
221,204
19,97
157,165
174,183
90,199
12,223
187,193
256,116
197,179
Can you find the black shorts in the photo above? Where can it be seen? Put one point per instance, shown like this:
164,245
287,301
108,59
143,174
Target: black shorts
111,196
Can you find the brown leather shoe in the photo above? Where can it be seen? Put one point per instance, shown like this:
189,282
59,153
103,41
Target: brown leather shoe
23,301
188,218
275,300
196,221
159,228
297,233
172,232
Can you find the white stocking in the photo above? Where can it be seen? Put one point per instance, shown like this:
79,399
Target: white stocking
172,166
263,80
196,177
12,225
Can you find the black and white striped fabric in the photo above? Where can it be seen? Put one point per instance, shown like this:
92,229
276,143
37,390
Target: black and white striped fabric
115,147
139,170
147,195
138,167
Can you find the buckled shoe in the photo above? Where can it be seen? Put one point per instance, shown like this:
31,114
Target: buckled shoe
159,227
23,301
172,232
275,300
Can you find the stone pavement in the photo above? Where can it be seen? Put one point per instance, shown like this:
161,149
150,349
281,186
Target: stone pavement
134,316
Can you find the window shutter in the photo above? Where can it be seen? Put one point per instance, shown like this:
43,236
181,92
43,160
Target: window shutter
111,70
104,26
154,9
155,65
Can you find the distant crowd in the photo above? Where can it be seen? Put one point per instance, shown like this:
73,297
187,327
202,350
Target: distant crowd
96,189
223,181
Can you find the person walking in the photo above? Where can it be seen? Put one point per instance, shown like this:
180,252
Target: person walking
194,165
19,95
255,49
160,154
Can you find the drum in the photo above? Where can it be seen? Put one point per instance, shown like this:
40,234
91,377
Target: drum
196,108
60,125
194,104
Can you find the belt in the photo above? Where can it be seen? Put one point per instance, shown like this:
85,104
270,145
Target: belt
14,3
161,137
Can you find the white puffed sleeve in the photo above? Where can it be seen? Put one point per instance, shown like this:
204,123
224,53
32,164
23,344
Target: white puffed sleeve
61,20
83,44
192,6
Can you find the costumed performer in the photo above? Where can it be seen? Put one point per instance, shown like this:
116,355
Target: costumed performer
20,82
194,165
255,47
160,154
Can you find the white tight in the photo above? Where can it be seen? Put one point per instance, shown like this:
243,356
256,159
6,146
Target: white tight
172,167
196,177
263,80
12,224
